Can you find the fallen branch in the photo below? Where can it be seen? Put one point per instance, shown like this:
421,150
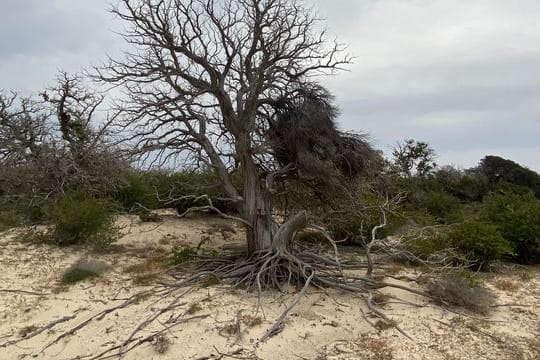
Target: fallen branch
26,292
39,330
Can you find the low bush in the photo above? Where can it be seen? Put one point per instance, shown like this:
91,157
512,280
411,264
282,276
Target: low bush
517,217
21,211
428,243
472,243
79,219
466,185
10,218
462,288
478,241
356,225
442,207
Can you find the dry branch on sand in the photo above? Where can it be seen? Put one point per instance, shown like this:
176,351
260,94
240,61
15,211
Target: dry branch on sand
300,265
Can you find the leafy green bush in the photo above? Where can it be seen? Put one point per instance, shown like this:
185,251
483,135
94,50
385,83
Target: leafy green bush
142,187
443,207
356,225
471,242
466,185
497,170
21,211
426,243
427,201
480,242
517,216
80,219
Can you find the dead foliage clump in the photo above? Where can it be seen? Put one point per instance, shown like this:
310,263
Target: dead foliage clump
367,347
150,217
457,289
506,285
194,308
385,324
146,272
161,343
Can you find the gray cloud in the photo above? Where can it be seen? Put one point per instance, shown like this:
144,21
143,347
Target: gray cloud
462,75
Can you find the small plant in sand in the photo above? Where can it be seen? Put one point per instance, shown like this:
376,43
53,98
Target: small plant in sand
194,308
506,285
75,275
83,270
149,216
161,343
182,255
146,272
525,276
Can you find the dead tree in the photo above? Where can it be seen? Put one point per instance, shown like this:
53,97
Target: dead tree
201,81
57,143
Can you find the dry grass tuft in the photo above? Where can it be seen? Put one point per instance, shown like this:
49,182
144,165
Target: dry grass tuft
161,344
194,308
506,285
394,269
380,298
525,276
252,321
147,271
150,217
383,325
229,330
458,290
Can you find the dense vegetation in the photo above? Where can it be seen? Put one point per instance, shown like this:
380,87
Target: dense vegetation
63,172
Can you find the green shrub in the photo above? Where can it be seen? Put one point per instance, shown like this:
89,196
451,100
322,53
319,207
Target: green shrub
480,242
517,216
497,169
442,207
427,200
142,187
21,211
10,218
79,219
468,186
468,243
356,226
182,255
425,243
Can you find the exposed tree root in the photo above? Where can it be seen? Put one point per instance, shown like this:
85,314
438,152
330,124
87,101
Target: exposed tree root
291,264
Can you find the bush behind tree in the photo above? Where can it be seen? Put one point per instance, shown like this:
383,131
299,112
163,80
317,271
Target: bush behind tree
148,187
77,218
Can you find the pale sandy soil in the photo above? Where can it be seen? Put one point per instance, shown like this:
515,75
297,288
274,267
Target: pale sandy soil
324,325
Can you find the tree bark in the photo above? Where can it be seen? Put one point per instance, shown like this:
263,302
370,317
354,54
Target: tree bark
257,211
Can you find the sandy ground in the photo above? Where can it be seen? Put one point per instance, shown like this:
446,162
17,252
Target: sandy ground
217,322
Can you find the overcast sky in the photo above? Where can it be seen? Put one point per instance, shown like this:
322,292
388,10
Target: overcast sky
463,75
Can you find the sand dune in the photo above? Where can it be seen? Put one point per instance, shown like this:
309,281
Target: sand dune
218,322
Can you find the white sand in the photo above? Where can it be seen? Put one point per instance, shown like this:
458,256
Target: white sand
323,326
